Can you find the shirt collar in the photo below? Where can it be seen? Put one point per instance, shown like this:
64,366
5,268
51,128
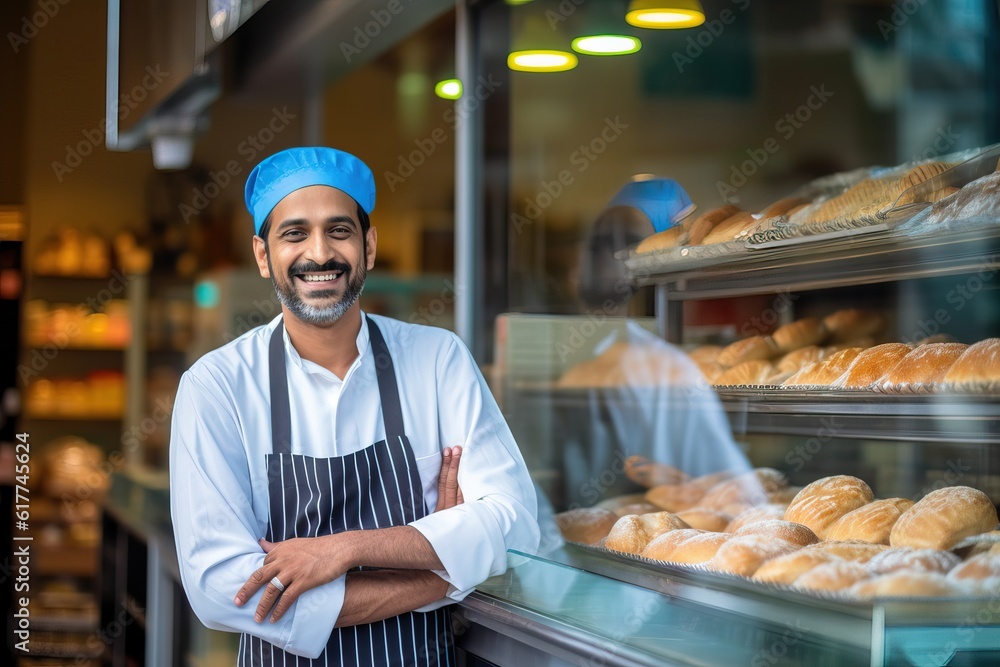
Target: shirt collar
291,354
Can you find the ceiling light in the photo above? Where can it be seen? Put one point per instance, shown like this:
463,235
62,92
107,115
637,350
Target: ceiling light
665,14
449,89
606,45
541,60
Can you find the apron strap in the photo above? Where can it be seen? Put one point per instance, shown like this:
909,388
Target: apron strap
281,413
392,412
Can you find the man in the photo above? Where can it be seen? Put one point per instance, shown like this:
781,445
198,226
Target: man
291,527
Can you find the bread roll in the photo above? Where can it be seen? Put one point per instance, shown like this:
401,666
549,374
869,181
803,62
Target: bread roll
784,496
747,373
710,370
748,349
585,525
704,224
705,353
617,502
648,473
754,514
979,365
853,550
675,497
832,576
824,501
631,534
782,207
983,566
780,530
914,560
705,519
685,546
807,331
636,508
709,480
872,364
796,359
743,554
825,372
851,323
668,238
869,523
943,517
785,569
750,488
729,229
906,584
927,364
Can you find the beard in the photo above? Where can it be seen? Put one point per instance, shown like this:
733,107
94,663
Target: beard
290,298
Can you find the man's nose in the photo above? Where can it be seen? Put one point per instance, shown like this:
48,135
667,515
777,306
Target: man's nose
319,249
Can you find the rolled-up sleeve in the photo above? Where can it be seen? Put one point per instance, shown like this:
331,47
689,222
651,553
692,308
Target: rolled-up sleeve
499,512
216,529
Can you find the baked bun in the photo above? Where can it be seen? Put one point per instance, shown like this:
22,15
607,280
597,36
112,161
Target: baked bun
668,238
631,534
784,496
730,229
617,502
853,550
872,364
705,353
807,331
907,584
794,533
685,546
870,523
832,576
751,488
785,569
927,364
754,514
913,560
704,223
710,370
983,566
743,554
587,525
921,173
749,372
648,473
705,519
636,508
978,366
748,349
824,501
852,323
796,359
783,207
675,497
825,372
944,517
709,480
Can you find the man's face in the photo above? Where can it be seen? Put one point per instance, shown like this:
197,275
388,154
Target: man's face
315,256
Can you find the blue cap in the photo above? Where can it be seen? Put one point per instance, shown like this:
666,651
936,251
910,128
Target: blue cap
285,172
662,200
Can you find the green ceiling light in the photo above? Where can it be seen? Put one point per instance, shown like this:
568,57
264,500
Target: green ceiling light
606,45
541,60
538,48
667,14
449,89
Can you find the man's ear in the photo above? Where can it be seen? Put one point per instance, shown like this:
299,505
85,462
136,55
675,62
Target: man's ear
371,240
260,254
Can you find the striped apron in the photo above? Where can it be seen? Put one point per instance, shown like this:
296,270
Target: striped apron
375,487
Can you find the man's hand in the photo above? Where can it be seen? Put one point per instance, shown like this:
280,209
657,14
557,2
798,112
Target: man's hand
449,492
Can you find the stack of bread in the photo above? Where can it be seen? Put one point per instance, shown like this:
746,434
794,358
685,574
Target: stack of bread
830,536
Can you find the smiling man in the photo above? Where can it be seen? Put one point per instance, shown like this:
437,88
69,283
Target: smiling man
292,527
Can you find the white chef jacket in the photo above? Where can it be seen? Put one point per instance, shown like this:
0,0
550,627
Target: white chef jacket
221,433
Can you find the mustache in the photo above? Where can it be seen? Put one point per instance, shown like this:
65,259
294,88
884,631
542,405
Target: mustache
313,267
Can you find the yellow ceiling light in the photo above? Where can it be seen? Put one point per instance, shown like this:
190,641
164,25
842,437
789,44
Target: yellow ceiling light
449,89
606,45
665,14
541,60
538,48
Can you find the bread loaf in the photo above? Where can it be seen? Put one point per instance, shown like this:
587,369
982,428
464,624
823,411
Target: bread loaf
631,534
705,353
807,331
668,238
685,546
648,473
870,523
754,514
660,547
710,370
743,554
921,173
913,560
585,525
832,576
729,229
926,365
852,323
750,488
983,566
782,207
978,366
704,224
705,519
943,517
709,480
906,584
754,372
824,501
853,550
780,530
675,497
748,349
785,569
796,359
871,364
825,372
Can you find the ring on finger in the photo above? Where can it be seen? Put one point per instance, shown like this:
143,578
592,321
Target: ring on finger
277,584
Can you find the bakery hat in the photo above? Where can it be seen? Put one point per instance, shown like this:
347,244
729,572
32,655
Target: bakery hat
280,174
662,200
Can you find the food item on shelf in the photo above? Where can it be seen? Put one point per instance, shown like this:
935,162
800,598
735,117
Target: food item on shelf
978,200
631,534
617,502
921,173
872,364
675,497
853,323
754,514
796,359
729,229
668,238
832,576
943,517
798,334
750,488
783,207
704,224
636,508
823,373
907,584
757,371
869,194
977,368
870,523
913,560
748,349
795,533
587,525
705,353
710,370
981,566
709,480
648,473
936,338
854,550
784,496
824,501
685,546
926,365
705,519
743,554
786,569
938,195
